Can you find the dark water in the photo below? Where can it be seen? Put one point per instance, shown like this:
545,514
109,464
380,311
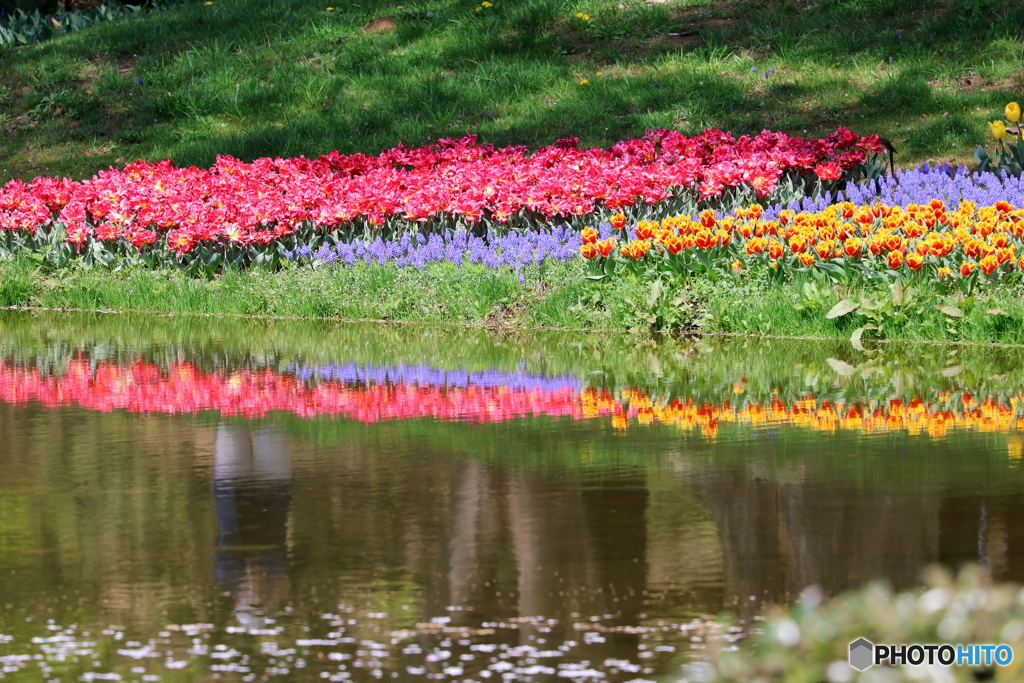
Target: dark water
194,500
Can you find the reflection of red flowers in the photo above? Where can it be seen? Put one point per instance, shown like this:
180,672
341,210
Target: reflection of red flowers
183,388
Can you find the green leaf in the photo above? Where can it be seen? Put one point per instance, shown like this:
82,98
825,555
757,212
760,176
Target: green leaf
855,338
596,277
897,292
840,309
996,311
951,311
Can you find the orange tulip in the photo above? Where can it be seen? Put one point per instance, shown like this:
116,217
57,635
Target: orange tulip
915,261
894,259
852,247
589,235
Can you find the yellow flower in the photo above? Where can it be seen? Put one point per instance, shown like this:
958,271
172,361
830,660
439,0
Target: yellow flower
584,82
487,4
399,6
479,9
998,129
330,9
600,73
208,2
584,17
1012,112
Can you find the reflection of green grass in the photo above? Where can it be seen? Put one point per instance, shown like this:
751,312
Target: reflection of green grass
293,78
705,370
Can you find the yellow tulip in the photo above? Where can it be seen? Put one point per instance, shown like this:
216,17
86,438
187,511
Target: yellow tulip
998,129
1012,112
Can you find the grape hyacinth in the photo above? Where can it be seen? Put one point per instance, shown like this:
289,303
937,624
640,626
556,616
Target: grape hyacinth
459,247
919,186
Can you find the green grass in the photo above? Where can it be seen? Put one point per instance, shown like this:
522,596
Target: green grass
557,296
284,79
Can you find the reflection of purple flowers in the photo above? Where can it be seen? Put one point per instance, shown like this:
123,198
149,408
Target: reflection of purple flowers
416,250
425,375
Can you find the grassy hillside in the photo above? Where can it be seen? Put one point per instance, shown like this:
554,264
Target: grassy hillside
299,77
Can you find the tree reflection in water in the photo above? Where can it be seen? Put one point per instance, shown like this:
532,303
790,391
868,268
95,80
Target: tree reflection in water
252,492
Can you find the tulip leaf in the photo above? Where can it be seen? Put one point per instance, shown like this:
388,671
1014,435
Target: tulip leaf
840,309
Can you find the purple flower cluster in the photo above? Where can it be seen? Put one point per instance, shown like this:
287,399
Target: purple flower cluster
920,186
416,250
425,375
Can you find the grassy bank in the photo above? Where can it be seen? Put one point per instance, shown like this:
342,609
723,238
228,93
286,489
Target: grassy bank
555,296
284,79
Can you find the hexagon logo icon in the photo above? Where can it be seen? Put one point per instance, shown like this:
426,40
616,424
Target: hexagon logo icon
862,654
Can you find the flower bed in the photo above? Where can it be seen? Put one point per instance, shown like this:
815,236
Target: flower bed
952,250
237,213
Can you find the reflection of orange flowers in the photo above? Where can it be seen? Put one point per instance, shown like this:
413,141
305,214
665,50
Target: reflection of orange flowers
183,388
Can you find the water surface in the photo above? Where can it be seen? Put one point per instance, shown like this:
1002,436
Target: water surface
197,499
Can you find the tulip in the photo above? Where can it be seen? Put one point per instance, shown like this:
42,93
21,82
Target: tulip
989,264
998,129
1012,112
915,261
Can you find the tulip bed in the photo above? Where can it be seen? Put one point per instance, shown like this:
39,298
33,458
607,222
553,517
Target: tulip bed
238,214
950,249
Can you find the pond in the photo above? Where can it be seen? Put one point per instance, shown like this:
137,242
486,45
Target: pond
195,499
